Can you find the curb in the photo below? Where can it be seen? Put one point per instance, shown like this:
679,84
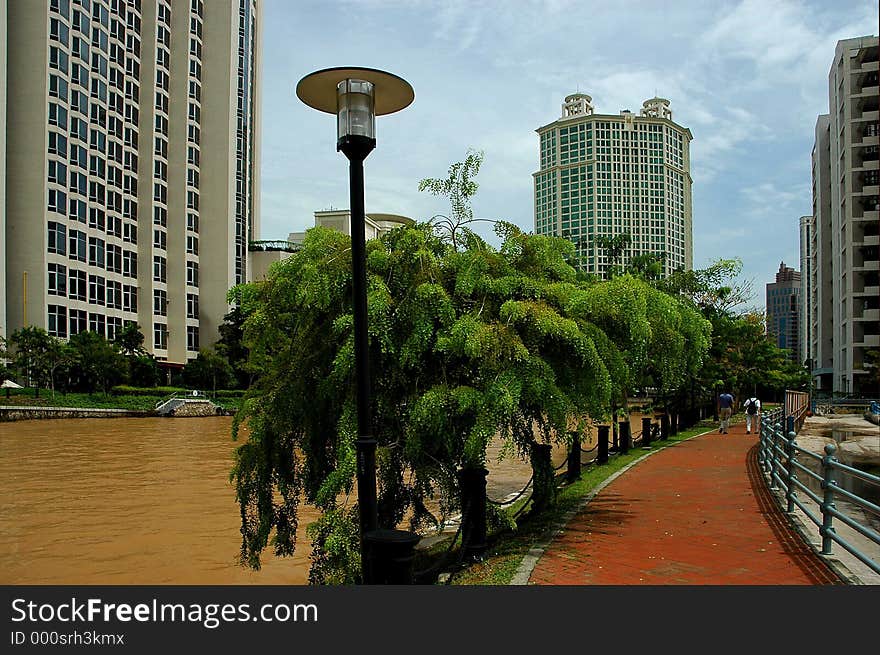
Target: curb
524,571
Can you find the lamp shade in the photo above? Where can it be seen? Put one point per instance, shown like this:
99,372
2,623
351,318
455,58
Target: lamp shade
356,95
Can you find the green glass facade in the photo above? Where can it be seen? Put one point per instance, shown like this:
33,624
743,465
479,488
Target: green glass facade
605,175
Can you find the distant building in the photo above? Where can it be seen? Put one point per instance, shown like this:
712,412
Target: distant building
604,175
375,225
844,284
783,310
265,253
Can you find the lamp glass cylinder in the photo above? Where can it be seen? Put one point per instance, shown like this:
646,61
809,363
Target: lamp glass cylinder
355,109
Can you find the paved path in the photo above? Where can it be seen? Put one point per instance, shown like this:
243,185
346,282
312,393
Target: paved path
697,513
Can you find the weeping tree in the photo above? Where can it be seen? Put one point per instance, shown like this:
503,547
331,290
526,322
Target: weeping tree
466,342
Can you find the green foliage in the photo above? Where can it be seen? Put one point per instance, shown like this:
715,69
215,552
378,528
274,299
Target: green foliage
231,346
98,363
466,342
208,370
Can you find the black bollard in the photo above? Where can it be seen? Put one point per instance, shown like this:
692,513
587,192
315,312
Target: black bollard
472,483
615,441
646,432
664,427
623,427
390,555
602,457
574,458
543,477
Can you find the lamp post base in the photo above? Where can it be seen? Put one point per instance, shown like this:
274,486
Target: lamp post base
388,556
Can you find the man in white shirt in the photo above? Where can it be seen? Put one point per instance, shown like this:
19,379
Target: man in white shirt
753,410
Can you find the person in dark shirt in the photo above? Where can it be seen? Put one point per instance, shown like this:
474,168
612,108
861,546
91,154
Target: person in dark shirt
725,408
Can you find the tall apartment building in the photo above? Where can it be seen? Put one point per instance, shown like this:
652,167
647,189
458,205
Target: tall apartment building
783,310
605,175
845,263
3,28
133,150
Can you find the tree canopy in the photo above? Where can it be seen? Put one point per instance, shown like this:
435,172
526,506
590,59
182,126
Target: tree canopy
466,342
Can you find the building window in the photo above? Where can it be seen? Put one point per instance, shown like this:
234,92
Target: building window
114,325
160,302
159,268
129,263
192,245
78,321
96,252
114,294
192,274
57,236
160,336
57,279
77,288
192,305
97,286
129,298
57,321
192,338
97,323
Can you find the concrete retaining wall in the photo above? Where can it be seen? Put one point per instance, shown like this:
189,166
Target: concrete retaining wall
23,413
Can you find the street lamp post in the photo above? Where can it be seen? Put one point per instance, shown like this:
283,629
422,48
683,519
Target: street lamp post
357,96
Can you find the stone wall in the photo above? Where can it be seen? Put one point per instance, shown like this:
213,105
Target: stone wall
24,413
196,408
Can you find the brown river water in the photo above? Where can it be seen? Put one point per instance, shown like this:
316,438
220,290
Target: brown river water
144,501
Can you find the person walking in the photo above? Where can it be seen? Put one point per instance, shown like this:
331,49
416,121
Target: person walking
753,410
725,409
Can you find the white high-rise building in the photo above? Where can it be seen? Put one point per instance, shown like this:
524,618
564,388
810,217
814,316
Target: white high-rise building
133,150
845,265
604,175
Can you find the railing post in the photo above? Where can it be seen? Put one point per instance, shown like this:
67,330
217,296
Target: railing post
623,428
773,456
792,472
762,445
602,457
789,423
646,432
828,484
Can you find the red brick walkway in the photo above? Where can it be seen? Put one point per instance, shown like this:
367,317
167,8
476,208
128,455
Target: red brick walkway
697,513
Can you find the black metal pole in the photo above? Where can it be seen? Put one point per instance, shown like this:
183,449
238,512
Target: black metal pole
356,148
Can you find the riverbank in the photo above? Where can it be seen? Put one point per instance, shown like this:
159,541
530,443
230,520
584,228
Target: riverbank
25,405
31,412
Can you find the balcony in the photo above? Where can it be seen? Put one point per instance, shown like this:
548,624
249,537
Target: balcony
869,341
868,315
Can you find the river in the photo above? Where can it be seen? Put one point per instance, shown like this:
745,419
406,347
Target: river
143,501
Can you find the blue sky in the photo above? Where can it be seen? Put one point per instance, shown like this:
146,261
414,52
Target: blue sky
748,78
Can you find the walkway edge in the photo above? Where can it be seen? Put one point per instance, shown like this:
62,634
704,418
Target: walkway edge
524,571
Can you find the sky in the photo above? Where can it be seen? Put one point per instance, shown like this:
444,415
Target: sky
747,78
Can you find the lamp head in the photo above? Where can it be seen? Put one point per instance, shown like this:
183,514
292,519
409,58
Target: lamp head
356,96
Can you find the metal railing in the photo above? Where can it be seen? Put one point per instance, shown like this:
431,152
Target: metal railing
788,468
